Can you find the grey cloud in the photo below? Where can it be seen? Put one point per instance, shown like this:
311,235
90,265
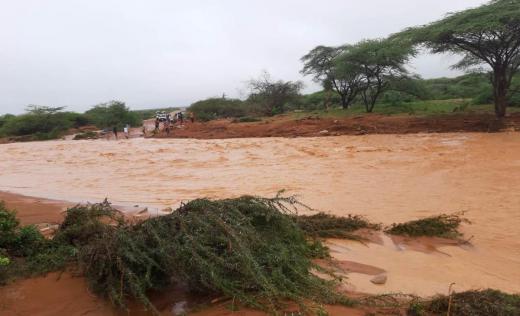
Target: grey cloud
168,53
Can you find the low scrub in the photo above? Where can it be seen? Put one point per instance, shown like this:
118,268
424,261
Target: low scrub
215,108
474,303
246,119
247,249
330,226
25,252
444,225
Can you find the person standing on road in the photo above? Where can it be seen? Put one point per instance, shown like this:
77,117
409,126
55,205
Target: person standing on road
115,131
127,131
157,125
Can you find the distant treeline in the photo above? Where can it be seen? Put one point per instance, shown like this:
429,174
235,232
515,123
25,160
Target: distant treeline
475,88
43,122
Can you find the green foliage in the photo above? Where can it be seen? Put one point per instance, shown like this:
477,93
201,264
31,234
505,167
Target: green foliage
317,101
8,227
486,35
330,226
113,113
462,87
379,64
4,118
445,226
248,248
246,119
29,241
4,261
25,252
321,63
474,303
269,97
215,108
51,256
41,123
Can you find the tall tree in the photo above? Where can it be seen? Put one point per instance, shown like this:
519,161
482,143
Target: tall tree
321,64
377,63
486,35
272,95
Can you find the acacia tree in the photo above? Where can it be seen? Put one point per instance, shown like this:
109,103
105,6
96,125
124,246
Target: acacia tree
486,35
321,63
377,63
272,95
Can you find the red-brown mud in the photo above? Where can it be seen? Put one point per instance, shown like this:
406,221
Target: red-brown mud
285,126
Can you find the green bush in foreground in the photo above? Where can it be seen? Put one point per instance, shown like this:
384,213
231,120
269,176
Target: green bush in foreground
445,226
471,303
249,249
24,251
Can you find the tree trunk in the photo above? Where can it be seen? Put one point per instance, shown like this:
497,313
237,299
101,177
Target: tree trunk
500,89
500,104
327,99
344,103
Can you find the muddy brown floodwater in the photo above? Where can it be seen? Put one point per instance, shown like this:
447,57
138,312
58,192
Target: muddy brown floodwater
387,178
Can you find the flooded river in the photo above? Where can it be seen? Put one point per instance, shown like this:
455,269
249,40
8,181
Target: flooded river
387,178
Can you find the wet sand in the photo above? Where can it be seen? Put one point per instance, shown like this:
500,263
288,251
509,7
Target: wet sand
31,210
388,178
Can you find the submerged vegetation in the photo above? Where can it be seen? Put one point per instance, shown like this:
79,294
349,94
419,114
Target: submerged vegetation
444,225
249,249
474,303
330,226
254,251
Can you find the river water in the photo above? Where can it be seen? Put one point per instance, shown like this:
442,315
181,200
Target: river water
387,178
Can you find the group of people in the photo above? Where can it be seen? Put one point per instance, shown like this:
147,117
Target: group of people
126,131
169,122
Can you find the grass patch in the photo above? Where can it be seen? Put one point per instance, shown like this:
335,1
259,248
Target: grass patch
330,226
416,108
474,303
246,119
443,225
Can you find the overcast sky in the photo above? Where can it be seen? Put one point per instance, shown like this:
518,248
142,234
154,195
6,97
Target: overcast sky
153,53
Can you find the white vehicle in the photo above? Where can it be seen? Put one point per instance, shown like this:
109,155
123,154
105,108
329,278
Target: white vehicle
161,116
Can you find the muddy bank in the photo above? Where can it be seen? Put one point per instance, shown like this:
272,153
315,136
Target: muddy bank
31,210
64,294
285,126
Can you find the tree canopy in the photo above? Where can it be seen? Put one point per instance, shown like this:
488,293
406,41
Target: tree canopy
486,35
321,63
271,96
113,113
376,63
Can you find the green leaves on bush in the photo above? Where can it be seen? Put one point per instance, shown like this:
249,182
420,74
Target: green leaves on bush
474,303
445,226
246,248
113,113
330,226
215,108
